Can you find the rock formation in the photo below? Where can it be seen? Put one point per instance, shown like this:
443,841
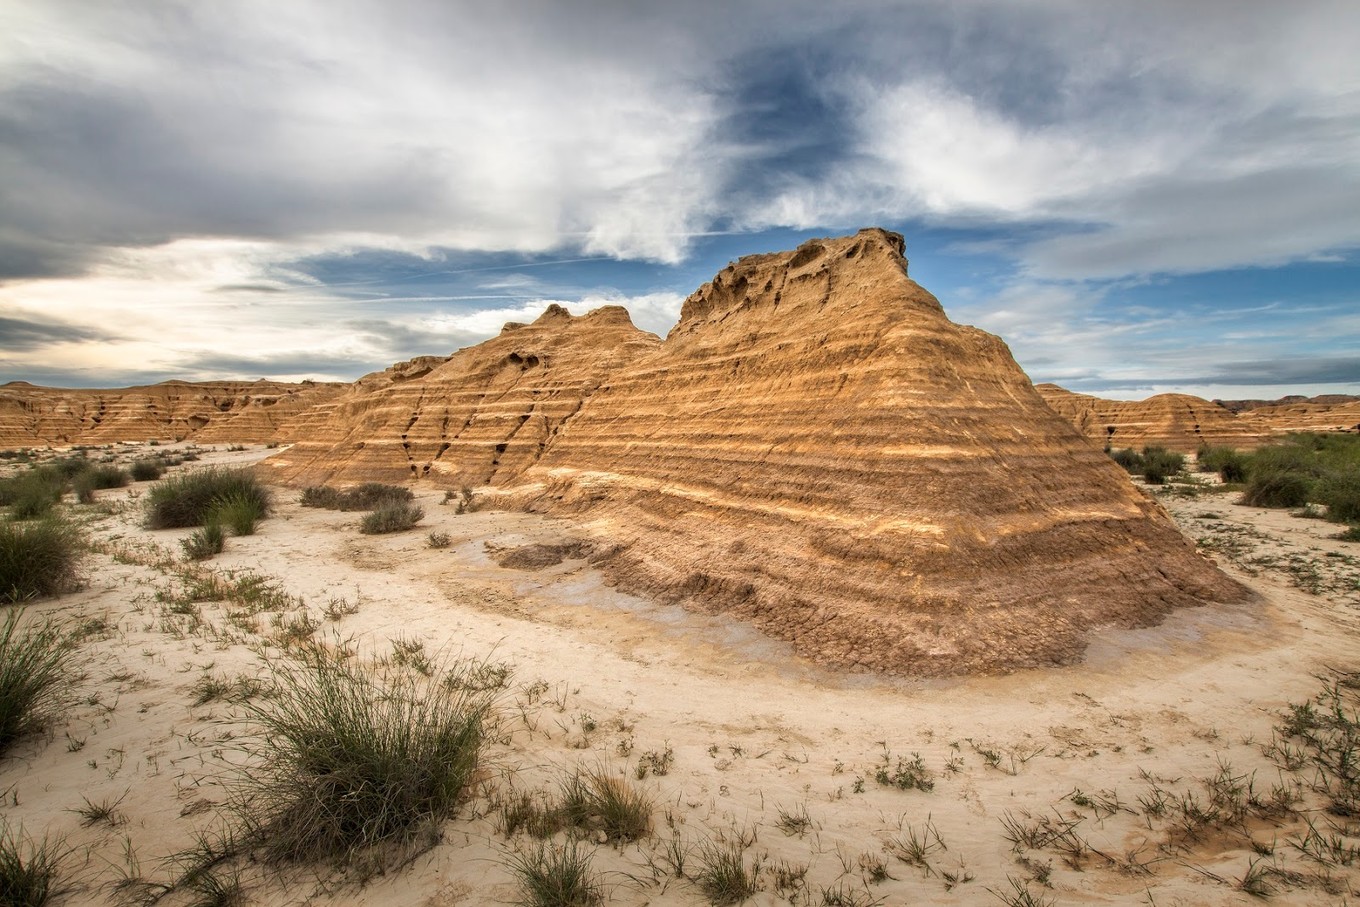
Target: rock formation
1175,421
479,417
244,411
817,449
1343,415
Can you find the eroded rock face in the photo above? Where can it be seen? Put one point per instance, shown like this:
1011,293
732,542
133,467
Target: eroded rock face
479,417
1343,415
816,448
244,411
1176,421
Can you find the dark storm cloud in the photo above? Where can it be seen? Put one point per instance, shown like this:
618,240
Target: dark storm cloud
26,334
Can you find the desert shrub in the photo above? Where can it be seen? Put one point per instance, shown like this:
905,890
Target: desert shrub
349,760
1230,464
96,478
391,518
68,467
549,876
1340,491
1160,463
38,558
438,540
238,512
1276,489
189,499
204,543
1129,459
28,869
368,496
34,674
723,875
146,470
33,493
601,802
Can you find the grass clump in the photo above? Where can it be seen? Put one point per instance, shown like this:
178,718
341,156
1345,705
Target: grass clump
599,801
368,496
34,672
33,493
550,876
204,543
191,499
239,512
1276,489
350,760
723,875
1158,464
391,518
38,558
28,869
1228,462
146,470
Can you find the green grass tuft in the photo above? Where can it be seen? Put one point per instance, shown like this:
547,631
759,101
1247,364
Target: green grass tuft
34,678
204,543
550,876
38,558
147,470
368,496
391,518
190,499
349,760
238,512
28,869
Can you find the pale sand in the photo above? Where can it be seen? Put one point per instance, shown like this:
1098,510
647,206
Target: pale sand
753,729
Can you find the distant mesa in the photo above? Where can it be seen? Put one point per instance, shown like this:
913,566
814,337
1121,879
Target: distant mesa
1186,423
1176,421
242,411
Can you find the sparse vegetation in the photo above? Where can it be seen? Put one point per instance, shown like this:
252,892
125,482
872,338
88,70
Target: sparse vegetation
723,874
355,762
368,496
191,499
34,678
238,511
146,470
391,518
204,543
38,558
598,801
33,493
553,876
29,869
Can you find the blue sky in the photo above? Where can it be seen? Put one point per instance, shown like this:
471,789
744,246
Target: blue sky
1137,197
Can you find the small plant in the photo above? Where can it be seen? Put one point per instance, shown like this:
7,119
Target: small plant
350,761
237,511
34,493
38,558
1018,895
916,846
204,543
600,801
723,874
190,499
551,876
28,869
34,678
793,823
1159,464
391,518
146,470
906,774
105,813
368,496
438,540
655,762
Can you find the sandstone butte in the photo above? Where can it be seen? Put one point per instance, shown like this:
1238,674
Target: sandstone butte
817,449
244,411
1176,421
479,417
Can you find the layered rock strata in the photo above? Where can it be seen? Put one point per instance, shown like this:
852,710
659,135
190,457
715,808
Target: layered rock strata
244,411
1175,421
479,417
817,449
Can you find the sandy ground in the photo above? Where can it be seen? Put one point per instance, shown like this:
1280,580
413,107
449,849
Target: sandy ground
757,736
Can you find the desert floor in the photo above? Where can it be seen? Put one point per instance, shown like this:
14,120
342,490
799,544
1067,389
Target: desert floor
1120,769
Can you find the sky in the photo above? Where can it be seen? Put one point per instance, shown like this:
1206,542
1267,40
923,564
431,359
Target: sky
1138,197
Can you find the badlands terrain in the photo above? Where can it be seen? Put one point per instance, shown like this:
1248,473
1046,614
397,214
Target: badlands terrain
851,611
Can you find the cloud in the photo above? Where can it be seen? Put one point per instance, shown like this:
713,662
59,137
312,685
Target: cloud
28,334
